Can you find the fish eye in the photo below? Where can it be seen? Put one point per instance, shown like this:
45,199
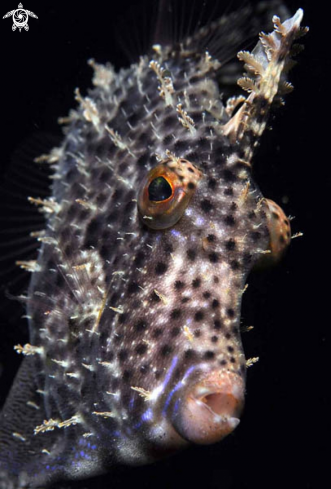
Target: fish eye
159,189
279,235
166,191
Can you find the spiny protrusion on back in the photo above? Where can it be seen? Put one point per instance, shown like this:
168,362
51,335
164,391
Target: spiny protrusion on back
165,87
265,67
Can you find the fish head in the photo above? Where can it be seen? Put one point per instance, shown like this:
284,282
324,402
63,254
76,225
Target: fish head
200,225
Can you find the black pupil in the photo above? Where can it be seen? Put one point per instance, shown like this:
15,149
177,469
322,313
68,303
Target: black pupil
159,189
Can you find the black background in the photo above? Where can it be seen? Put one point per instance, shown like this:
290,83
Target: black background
282,439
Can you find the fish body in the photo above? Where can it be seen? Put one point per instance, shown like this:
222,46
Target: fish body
153,225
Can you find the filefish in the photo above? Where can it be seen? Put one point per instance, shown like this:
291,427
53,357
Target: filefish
152,227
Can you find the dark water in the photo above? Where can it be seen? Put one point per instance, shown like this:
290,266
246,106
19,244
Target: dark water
281,441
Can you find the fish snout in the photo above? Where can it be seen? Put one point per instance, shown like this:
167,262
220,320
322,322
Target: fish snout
210,409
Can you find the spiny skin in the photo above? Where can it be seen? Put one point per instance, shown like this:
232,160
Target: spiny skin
126,320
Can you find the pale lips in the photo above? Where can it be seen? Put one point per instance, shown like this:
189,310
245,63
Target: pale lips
211,409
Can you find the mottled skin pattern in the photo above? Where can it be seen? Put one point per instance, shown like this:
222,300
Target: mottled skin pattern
125,319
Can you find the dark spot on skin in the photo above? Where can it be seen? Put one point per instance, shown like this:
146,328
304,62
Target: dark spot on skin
161,268
228,336
212,183
199,315
168,139
206,295
255,236
112,217
170,121
234,264
282,239
229,176
191,186
230,220
141,348
60,281
133,288
144,140
129,206
196,283
94,226
211,238
123,355
203,143
213,257
206,205
217,324
141,325
165,350
175,331
232,360
83,213
223,362
215,304
133,118
179,285
195,79
228,191
214,339
189,354
106,237
168,248
139,259
143,159
191,254
209,355
185,300
180,146
230,312
216,279
230,349
230,244
175,314
157,333
126,375
101,199
251,215
275,215
219,161
197,333
190,170
117,194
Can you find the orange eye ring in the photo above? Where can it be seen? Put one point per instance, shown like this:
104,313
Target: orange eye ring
166,191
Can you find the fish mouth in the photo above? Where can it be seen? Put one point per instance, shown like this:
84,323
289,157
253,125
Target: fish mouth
210,409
